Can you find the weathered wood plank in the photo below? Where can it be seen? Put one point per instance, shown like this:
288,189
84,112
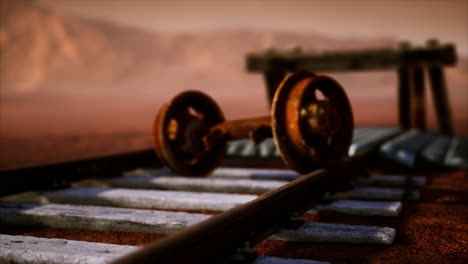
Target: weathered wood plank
367,137
96,218
143,199
23,249
222,185
363,60
405,149
250,173
226,172
363,208
341,233
236,146
394,180
276,260
267,148
380,193
457,154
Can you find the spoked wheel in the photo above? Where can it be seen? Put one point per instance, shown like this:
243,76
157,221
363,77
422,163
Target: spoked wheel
312,121
178,132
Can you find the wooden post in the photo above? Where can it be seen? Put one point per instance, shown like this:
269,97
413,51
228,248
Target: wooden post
404,92
417,99
439,94
275,75
272,79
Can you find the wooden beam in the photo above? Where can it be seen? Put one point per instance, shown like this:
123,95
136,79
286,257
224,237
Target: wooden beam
356,60
439,95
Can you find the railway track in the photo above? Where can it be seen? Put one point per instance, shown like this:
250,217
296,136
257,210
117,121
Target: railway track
219,218
129,208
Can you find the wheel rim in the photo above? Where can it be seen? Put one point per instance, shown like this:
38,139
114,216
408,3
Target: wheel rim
311,131
178,131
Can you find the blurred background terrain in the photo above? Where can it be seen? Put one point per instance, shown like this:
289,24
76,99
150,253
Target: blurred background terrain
85,78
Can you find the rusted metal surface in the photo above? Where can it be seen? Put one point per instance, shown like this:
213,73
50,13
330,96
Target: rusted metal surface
218,237
311,121
310,130
179,129
256,129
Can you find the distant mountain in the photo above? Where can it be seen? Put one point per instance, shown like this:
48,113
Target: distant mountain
45,50
59,72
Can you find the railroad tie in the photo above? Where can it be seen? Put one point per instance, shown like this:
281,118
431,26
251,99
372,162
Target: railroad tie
34,250
147,199
221,185
24,249
97,218
340,233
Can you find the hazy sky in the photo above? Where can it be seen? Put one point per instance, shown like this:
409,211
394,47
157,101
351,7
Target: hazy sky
414,20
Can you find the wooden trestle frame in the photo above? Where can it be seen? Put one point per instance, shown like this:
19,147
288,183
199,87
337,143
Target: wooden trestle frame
410,63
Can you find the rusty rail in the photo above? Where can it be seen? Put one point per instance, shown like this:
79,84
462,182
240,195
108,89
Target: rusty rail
58,175
217,237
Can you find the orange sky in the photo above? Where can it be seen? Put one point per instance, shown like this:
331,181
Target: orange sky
413,20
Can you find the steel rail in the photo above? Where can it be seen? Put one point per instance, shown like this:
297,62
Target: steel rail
58,175
217,237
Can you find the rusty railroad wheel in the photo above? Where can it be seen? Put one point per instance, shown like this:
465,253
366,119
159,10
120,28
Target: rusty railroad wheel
178,131
312,121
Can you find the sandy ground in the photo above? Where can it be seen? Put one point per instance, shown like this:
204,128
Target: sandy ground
28,151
